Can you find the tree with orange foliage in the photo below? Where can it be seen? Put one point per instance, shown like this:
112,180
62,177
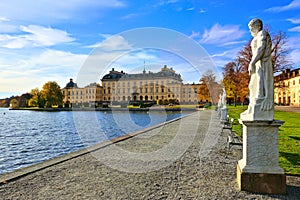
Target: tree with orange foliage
210,88
235,81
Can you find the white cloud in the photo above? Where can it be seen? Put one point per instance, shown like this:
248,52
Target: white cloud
130,16
4,19
295,4
191,8
295,57
6,26
294,45
221,35
105,36
293,42
21,73
295,29
49,10
57,59
194,35
114,43
202,10
222,58
294,20
42,36
34,36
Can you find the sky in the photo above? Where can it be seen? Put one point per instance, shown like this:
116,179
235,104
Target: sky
48,40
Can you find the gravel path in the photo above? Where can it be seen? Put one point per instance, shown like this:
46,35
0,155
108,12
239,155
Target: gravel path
186,159
288,108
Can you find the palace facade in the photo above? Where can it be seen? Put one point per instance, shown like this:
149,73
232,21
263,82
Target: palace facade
120,87
88,96
287,88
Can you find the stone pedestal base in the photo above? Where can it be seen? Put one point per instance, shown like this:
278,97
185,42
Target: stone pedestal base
224,113
261,183
259,170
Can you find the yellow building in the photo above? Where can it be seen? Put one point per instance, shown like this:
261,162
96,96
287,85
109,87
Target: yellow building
146,86
165,86
88,96
287,88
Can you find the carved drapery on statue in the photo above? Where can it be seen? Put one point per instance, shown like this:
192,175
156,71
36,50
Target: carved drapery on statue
261,106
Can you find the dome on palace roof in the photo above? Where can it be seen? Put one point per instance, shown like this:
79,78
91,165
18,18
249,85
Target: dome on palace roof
71,84
113,75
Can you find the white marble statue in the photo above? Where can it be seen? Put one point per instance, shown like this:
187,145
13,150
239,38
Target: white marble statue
220,103
224,95
261,87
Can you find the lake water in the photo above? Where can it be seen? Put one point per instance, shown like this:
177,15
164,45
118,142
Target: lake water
29,137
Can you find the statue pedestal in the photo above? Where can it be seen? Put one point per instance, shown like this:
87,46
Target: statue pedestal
259,171
224,113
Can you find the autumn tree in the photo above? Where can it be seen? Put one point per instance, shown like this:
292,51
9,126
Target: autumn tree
14,103
235,81
210,88
37,100
51,93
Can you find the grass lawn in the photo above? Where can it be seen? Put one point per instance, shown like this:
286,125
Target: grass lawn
289,137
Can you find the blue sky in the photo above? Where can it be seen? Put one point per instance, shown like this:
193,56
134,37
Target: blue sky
50,40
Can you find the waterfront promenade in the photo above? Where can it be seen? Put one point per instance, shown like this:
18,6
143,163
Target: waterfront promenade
204,170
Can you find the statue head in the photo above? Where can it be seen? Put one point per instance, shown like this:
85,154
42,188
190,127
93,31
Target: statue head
255,25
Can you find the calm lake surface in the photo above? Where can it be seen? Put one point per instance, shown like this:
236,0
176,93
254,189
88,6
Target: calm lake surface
29,137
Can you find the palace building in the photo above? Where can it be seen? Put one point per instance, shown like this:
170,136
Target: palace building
146,86
287,88
88,96
120,87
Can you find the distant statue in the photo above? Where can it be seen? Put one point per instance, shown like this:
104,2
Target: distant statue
224,95
220,101
261,87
